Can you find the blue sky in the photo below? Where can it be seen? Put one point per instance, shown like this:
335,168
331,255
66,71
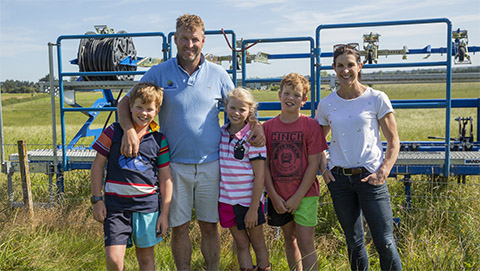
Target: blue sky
26,26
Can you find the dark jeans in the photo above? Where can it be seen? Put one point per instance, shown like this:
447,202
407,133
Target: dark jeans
351,198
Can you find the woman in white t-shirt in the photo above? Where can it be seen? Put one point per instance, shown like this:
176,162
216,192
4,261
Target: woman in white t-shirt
357,170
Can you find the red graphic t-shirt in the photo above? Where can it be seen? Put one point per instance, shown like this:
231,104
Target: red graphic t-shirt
288,148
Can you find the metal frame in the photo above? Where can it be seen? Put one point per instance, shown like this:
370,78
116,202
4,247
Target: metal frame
310,55
104,104
447,103
233,71
451,163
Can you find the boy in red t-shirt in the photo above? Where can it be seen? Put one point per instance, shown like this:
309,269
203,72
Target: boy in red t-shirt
295,145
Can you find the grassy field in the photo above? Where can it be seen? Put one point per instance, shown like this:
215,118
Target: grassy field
439,232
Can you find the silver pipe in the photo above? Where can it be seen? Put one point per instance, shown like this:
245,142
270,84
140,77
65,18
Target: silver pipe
52,101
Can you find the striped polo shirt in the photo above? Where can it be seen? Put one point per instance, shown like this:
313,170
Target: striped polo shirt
236,170
131,183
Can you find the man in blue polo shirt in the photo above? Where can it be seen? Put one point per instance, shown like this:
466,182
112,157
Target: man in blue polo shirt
189,120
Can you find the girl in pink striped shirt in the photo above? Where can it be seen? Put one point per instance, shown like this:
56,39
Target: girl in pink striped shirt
240,206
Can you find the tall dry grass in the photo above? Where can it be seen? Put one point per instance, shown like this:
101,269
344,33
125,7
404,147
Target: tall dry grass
439,232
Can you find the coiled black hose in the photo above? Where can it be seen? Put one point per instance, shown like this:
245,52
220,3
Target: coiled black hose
105,55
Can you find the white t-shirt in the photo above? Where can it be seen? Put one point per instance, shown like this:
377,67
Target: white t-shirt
356,140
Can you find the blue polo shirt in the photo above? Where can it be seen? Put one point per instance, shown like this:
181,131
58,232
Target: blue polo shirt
189,114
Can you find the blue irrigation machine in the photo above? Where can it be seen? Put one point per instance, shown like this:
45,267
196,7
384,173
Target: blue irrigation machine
112,65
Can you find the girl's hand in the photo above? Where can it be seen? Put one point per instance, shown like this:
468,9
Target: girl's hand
251,218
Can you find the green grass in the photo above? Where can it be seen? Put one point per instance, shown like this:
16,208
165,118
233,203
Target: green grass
440,232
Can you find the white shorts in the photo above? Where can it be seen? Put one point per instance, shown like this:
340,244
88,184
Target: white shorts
195,186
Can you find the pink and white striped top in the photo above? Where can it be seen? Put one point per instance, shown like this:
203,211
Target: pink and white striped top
236,183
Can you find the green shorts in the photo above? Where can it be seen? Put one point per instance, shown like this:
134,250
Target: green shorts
306,213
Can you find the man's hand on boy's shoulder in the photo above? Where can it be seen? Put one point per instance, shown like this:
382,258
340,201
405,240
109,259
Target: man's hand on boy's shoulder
130,143
257,135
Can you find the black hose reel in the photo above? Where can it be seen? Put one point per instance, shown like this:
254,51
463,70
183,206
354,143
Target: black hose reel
105,54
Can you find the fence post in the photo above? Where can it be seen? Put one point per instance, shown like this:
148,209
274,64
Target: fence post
25,175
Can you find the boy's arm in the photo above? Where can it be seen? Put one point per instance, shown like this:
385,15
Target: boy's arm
251,217
130,139
165,183
96,176
326,174
277,201
325,130
308,178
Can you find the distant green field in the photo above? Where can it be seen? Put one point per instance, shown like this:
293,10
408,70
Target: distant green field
29,118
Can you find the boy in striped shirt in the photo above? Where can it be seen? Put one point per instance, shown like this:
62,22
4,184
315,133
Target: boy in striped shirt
130,210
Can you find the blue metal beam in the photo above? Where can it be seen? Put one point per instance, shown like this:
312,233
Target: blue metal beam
448,65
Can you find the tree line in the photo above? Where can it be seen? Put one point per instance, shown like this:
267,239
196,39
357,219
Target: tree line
16,86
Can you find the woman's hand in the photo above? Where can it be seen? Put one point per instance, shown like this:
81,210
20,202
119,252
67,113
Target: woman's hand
327,176
377,178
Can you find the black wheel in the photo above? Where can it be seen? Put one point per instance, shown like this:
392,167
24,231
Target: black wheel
370,57
461,53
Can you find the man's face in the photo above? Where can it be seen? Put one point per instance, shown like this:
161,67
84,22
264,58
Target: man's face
189,45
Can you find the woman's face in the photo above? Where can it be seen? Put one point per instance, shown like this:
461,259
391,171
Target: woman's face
347,69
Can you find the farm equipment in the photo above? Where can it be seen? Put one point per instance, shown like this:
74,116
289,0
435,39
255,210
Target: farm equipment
259,57
417,158
462,142
460,52
460,46
370,45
